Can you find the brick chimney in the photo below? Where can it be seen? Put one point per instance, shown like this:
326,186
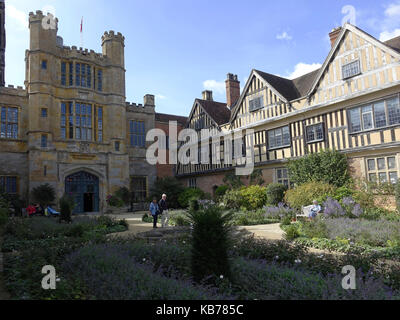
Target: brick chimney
334,34
208,95
232,89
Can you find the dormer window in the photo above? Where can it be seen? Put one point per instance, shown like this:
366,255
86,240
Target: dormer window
351,69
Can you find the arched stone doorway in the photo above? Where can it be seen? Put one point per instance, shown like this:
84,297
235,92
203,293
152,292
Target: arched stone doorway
84,188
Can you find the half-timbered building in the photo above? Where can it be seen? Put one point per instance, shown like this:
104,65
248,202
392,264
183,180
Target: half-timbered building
350,104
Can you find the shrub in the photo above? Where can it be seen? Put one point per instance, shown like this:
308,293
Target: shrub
147,219
251,218
303,195
124,194
220,191
44,194
190,194
373,233
328,166
346,207
280,212
291,232
275,193
343,192
397,194
109,273
233,199
172,187
253,197
210,243
374,213
3,216
65,210
114,201
314,229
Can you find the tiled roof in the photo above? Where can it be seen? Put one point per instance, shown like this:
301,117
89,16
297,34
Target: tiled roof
161,117
394,44
218,111
290,89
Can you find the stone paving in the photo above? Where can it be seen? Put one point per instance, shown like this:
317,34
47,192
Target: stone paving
136,226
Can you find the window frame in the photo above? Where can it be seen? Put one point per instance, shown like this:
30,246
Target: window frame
3,184
44,141
253,108
69,119
192,183
137,134
377,171
348,65
322,125
282,179
144,191
373,103
283,146
43,64
10,128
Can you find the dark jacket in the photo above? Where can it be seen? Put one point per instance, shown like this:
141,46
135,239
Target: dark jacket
163,205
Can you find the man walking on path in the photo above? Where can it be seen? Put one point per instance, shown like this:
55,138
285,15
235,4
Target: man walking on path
164,211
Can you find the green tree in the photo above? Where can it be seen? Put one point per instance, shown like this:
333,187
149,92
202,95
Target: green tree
44,194
275,193
171,187
190,194
210,243
328,166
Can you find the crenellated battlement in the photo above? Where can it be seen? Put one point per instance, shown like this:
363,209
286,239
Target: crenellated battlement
82,53
12,90
38,17
134,107
112,36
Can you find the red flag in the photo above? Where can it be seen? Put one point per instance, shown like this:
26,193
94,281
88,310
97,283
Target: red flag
82,25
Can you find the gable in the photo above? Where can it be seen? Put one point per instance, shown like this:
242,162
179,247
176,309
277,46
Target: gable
355,49
199,118
260,100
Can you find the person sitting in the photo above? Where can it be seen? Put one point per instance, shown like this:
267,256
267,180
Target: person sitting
51,211
315,210
39,209
31,210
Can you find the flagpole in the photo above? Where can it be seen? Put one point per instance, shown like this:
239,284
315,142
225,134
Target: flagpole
82,33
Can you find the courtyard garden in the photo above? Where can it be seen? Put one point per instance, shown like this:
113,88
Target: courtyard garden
210,258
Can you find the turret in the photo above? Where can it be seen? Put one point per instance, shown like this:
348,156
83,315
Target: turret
43,31
114,47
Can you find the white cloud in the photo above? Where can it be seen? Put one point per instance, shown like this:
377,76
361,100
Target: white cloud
387,35
303,68
215,86
393,10
18,17
284,36
49,9
391,23
161,97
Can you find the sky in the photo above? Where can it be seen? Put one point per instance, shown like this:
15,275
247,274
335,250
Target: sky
175,49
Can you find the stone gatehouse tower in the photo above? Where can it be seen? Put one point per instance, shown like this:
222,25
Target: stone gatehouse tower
71,126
